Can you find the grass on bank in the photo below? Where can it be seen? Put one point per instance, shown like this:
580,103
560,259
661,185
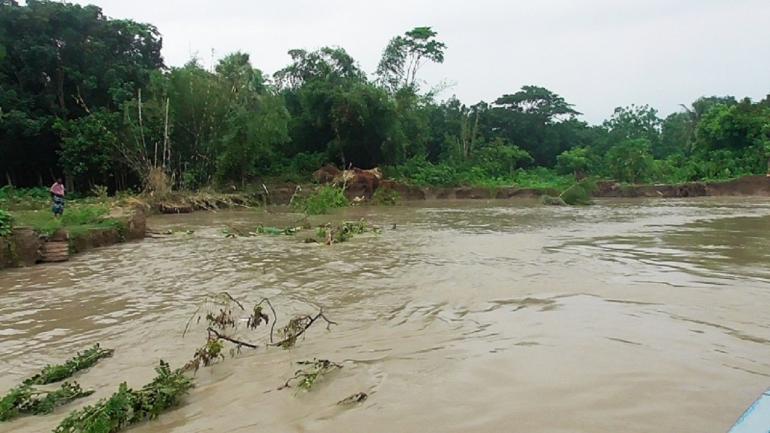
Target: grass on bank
78,219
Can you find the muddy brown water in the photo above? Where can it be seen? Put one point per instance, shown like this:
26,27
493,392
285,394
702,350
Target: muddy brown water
633,316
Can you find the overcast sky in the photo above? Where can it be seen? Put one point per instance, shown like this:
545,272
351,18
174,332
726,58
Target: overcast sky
598,54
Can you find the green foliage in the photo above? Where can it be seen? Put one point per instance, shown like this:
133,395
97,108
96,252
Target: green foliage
88,144
127,406
55,373
345,231
579,193
288,231
24,198
631,161
116,122
78,77
574,161
310,373
25,400
404,55
76,219
6,223
323,200
386,197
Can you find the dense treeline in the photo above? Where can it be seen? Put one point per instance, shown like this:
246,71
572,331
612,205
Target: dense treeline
90,97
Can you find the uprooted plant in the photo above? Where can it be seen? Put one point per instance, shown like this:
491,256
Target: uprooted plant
222,326
343,232
128,406
312,371
55,373
26,400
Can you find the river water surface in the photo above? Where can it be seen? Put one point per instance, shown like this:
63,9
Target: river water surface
643,316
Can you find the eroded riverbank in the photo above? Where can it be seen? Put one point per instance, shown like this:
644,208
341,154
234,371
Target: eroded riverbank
469,316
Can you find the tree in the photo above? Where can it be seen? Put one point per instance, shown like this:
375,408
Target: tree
539,102
575,161
331,64
236,70
88,146
538,120
62,62
405,55
630,160
634,122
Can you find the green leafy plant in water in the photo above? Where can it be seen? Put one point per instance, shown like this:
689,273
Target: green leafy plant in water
292,330
579,193
26,400
127,406
323,200
210,353
275,231
345,231
306,377
55,373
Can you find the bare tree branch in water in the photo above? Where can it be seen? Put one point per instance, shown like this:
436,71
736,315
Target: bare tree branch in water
297,326
221,327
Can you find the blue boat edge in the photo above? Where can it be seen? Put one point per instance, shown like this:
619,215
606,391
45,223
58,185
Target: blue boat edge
756,419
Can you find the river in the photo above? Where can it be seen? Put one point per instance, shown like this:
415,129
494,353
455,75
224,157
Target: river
625,316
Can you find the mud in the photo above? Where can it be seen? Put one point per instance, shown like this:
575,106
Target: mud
745,186
486,316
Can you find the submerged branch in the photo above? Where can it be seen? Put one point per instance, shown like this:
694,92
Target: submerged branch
297,326
231,339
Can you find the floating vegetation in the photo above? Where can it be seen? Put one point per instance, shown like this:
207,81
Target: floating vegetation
275,231
297,326
127,407
210,305
26,400
222,326
55,373
356,398
210,353
314,370
345,231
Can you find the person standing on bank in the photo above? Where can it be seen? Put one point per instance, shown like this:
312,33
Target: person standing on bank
57,195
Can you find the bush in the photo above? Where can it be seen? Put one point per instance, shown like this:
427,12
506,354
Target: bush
6,223
386,197
323,200
419,171
23,198
579,193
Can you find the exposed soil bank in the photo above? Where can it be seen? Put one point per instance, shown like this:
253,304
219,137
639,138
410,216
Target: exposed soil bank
25,247
745,186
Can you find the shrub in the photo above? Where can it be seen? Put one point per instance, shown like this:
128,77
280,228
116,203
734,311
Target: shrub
6,223
386,197
323,200
579,193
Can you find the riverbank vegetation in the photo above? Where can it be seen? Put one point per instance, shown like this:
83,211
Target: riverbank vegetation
135,123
